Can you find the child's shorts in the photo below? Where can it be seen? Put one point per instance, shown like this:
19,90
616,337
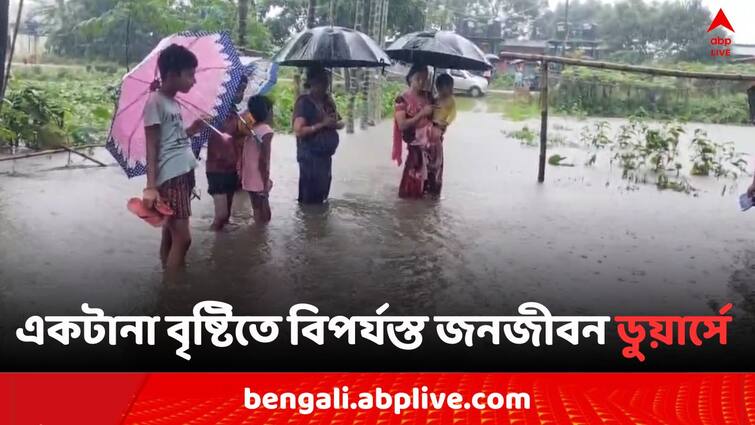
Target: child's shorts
222,183
176,192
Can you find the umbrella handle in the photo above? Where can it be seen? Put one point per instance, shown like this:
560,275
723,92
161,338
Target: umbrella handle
253,133
207,123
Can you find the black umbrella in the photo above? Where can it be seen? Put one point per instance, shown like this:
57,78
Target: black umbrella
332,47
439,49
492,58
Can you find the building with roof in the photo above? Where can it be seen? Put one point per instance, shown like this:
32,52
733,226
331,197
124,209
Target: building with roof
743,53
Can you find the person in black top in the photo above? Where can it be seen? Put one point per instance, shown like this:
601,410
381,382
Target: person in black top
315,123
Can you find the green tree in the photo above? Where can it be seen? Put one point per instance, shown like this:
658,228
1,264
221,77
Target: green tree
637,30
98,28
585,11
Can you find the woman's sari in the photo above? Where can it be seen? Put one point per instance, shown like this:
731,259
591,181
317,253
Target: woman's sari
423,169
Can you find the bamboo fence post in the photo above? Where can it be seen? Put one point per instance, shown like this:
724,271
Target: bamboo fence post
70,151
543,121
628,68
32,154
54,151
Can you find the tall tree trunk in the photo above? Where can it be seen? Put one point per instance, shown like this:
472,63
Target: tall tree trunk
3,42
61,11
243,15
311,5
366,74
16,26
354,74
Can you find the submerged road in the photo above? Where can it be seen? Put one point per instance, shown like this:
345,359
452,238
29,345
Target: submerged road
579,244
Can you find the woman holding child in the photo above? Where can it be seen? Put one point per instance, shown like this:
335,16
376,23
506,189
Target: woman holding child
421,121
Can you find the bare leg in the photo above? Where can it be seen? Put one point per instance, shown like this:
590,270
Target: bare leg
230,205
181,240
222,211
261,209
165,245
265,213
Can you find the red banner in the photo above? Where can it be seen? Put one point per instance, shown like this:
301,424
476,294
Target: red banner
376,398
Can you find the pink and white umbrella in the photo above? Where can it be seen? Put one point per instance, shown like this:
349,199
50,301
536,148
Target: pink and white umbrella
218,77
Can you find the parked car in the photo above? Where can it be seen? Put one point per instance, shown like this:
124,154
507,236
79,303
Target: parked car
466,82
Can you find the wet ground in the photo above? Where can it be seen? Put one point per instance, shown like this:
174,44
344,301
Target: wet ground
579,244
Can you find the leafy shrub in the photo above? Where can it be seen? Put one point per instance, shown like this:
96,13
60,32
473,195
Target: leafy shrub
30,118
518,110
593,92
44,113
524,135
717,159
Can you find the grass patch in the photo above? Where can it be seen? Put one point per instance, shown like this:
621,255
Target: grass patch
520,111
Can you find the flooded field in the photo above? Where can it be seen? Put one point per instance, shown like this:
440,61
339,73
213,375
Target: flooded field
579,244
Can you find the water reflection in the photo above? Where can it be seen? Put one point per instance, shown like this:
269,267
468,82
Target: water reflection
742,286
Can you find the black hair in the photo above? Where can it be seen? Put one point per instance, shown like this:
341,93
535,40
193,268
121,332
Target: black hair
314,72
444,80
260,107
175,58
413,70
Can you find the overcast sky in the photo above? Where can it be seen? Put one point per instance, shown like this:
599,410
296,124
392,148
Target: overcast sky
738,12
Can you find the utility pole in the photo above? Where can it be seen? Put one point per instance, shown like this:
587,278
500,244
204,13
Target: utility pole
3,41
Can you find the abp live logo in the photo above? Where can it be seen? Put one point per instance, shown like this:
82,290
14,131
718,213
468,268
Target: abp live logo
721,43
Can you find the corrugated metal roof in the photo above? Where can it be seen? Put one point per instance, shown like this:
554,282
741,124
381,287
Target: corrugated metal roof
743,49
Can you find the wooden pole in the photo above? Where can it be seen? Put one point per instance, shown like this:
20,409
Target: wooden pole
70,151
32,154
543,121
53,151
628,68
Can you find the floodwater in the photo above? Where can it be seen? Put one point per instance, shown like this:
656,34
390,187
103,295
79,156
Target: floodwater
580,244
